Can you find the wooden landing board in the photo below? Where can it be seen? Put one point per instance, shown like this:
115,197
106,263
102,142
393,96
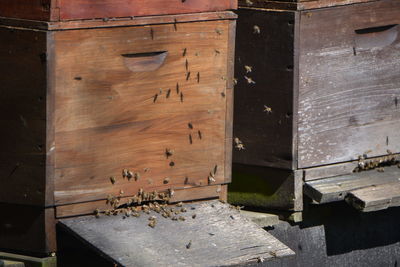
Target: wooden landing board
219,236
336,188
375,198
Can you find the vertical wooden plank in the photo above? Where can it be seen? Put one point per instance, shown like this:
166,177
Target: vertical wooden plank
22,116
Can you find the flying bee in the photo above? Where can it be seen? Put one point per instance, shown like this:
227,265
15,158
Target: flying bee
267,109
249,2
168,93
248,69
238,144
249,80
256,29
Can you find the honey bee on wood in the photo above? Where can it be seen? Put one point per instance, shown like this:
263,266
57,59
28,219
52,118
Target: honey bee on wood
121,192
256,29
190,125
107,212
380,169
200,134
181,218
184,52
146,169
194,216
136,176
186,181
217,52
267,109
109,199
183,210
112,180
140,192
174,218
130,175
177,89
97,213
198,77
166,180
248,69
272,253
238,144
249,80
218,31
260,259
190,139
187,76
171,192
152,223
155,98
124,173
168,93
187,65
211,179
128,213
189,245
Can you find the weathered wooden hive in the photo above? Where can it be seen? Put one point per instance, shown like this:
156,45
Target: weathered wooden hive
101,108
317,103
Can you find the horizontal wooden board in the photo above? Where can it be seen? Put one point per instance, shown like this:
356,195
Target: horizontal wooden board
110,117
120,22
375,198
60,10
183,194
336,188
297,4
349,89
213,237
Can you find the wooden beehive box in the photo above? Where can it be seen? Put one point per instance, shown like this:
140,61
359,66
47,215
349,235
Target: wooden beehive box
81,101
317,96
61,10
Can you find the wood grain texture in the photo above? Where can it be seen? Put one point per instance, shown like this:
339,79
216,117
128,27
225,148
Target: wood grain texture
267,135
336,188
213,236
27,229
120,22
375,198
297,4
23,117
348,97
61,10
109,118
86,208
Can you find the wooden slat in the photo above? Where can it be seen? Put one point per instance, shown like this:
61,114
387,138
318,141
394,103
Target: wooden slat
198,193
297,5
56,10
336,188
219,236
375,198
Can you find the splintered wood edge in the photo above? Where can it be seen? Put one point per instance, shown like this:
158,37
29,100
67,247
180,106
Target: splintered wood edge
119,22
189,194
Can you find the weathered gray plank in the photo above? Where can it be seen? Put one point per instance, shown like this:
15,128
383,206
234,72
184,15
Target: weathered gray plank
336,188
375,198
260,218
219,236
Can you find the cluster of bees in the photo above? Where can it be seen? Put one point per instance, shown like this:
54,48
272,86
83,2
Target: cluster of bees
145,202
377,163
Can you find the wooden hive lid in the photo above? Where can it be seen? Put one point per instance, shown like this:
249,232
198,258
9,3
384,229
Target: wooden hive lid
62,10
